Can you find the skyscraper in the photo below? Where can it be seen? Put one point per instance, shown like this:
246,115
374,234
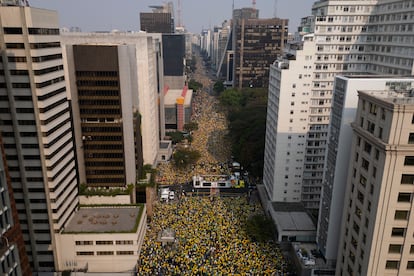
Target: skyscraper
13,257
116,102
37,128
351,37
377,226
256,44
160,20
338,161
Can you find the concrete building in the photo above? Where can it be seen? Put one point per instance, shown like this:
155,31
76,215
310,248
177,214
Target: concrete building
256,44
160,20
103,240
13,257
37,128
178,108
349,38
173,49
344,106
377,223
116,103
287,124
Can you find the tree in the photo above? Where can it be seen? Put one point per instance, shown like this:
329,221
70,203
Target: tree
176,136
260,228
247,126
218,87
191,126
185,157
231,98
194,85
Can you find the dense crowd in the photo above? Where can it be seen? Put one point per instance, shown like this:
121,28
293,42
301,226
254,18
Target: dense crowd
209,240
210,236
209,139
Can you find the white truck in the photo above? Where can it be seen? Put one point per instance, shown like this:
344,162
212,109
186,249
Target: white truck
164,194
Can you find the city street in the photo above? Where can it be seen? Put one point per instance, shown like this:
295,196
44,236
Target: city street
206,234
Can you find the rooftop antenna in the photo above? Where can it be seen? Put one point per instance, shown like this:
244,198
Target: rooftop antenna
275,9
254,4
179,23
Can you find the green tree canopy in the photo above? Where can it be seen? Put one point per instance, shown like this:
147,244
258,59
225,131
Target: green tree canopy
218,87
176,136
260,228
185,157
191,126
194,85
246,112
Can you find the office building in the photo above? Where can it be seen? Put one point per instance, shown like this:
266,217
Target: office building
178,108
13,257
103,239
377,223
256,44
349,38
160,20
116,102
37,128
344,106
173,50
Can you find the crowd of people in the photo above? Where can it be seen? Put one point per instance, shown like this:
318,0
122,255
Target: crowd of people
210,236
210,239
209,139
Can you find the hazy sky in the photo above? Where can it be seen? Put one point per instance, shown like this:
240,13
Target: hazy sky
105,15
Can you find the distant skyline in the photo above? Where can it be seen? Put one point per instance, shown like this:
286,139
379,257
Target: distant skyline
106,15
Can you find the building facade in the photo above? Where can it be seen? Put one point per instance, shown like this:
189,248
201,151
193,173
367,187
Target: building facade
344,107
37,128
116,103
377,223
256,44
350,38
13,257
160,20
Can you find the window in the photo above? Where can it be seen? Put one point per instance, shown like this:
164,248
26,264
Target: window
412,249
398,232
409,161
395,248
411,138
407,179
410,265
105,253
104,242
401,215
124,252
84,242
125,242
84,253
404,197
365,164
392,265
367,147
373,109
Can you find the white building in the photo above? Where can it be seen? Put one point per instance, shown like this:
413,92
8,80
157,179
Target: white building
105,239
287,124
378,220
137,67
351,37
338,160
36,124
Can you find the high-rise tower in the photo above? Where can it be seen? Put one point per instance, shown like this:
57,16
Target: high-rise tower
37,128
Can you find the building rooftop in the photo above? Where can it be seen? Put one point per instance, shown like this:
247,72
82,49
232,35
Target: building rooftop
292,217
171,96
403,97
105,219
